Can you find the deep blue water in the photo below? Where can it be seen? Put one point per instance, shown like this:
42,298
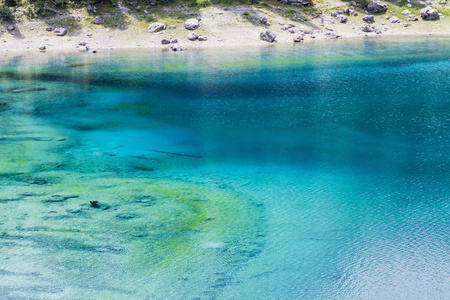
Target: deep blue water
323,173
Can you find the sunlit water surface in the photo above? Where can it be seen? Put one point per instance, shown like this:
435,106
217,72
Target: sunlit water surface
319,171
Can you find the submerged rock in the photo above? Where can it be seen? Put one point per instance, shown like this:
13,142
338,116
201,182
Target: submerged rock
38,181
127,216
59,198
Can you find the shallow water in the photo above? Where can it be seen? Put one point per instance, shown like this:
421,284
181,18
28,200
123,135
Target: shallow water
319,171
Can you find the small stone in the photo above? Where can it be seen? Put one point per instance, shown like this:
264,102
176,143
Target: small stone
298,38
42,48
165,41
393,19
178,48
11,28
60,31
172,27
97,20
406,12
82,43
49,28
202,38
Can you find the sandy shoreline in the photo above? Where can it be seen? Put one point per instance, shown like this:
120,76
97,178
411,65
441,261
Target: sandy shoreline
29,36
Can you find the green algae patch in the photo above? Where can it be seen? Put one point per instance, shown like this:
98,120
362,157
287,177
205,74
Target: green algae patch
129,230
135,107
27,146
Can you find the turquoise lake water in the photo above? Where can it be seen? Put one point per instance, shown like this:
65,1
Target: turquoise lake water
319,171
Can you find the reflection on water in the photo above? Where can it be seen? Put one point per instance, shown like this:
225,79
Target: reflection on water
318,171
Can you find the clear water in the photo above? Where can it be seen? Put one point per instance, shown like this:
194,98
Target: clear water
319,171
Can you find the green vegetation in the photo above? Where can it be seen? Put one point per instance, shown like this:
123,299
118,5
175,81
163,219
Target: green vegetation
36,11
6,14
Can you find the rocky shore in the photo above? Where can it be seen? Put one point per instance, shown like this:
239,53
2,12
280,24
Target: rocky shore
100,28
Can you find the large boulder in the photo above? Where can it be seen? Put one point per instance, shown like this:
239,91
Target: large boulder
342,19
295,2
191,24
156,27
264,21
60,31
192,36
429,14
366,28
369,19
376,7
267,36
